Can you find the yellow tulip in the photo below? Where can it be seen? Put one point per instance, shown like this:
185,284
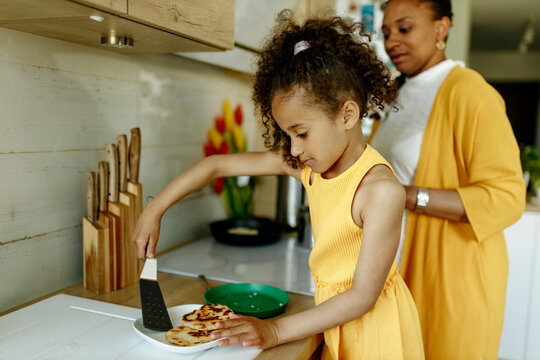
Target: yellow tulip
215,138
239,139
228,114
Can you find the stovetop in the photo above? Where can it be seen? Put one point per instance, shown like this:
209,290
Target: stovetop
283,264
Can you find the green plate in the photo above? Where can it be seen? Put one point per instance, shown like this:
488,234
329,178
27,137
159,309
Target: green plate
262,301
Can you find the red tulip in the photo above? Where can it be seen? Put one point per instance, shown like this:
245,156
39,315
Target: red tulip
224,147
238,116
219,185
208,149
220,124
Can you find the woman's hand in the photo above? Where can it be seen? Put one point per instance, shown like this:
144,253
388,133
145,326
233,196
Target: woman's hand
247,330
146,232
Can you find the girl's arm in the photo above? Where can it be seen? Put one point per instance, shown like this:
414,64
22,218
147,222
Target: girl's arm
379,209
146,233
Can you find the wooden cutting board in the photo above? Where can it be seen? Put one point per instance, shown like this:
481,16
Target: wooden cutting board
113,224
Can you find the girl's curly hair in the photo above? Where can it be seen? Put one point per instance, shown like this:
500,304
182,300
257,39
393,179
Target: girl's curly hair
339,65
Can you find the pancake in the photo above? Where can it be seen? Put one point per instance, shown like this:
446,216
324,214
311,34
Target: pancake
206,317
185,336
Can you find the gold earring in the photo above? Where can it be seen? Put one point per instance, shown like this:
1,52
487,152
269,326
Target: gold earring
441,45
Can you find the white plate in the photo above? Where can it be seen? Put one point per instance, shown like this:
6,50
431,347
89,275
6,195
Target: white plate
158,337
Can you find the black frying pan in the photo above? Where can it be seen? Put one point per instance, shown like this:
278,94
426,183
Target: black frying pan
250,231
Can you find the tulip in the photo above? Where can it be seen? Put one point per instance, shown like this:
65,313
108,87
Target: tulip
220,124
209,149
239,139
223,148
219,185
228,115
215,138
238,116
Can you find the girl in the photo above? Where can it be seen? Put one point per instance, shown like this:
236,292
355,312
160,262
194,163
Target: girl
313,86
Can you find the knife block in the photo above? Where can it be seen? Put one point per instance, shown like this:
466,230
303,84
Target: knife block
96,271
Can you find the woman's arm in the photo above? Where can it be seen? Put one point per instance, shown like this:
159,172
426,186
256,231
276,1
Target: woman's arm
379,209
146,231
442,203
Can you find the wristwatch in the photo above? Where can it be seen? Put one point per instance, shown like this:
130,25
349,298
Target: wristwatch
422,199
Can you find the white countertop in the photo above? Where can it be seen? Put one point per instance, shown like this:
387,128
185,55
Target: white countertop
71,327
283,264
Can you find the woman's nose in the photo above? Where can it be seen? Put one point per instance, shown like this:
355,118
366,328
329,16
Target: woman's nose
390,42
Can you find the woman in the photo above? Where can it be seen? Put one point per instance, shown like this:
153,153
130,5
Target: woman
452,147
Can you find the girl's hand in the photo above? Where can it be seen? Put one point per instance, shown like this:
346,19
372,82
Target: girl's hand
247,330
146,232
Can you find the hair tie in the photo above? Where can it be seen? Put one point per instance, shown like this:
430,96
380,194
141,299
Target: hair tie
301,46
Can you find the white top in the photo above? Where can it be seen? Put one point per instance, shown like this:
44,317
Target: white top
399,137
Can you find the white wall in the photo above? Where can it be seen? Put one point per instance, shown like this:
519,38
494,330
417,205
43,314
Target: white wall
61,104
459,37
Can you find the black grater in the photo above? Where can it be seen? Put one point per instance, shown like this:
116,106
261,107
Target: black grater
154,312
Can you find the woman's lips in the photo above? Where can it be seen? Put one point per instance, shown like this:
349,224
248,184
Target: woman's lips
397,58
308,162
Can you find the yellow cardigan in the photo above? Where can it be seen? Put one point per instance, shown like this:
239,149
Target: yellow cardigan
457,271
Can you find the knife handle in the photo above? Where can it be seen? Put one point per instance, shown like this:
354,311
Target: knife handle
134,155
91,196
122,161
112,160
103,182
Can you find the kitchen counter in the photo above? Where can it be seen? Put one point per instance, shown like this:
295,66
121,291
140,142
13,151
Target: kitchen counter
179,290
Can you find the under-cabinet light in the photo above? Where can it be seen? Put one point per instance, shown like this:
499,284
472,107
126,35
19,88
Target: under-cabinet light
120,42
97,18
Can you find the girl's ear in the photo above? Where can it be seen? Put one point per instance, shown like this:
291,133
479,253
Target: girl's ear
350,113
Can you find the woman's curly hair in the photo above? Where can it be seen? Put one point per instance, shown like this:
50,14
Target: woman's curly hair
339,65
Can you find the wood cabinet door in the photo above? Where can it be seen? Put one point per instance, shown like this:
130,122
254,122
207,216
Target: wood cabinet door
113,6
209,21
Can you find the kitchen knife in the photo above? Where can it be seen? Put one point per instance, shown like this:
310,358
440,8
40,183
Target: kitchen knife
133,185
154,311
128,200
93,235
128,272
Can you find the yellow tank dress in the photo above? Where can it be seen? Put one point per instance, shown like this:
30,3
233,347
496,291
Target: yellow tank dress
391,330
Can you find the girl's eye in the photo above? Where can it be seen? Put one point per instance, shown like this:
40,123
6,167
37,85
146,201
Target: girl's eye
302,135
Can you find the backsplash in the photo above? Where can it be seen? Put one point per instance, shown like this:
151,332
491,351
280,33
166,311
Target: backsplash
61,105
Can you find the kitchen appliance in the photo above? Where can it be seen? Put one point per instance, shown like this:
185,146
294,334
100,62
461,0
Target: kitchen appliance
252,231
305,231
290,195
154,312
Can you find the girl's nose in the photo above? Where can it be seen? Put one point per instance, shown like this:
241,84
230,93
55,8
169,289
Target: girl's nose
296,149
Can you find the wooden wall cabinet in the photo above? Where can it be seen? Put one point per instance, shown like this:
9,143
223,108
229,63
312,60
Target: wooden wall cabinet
156,26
